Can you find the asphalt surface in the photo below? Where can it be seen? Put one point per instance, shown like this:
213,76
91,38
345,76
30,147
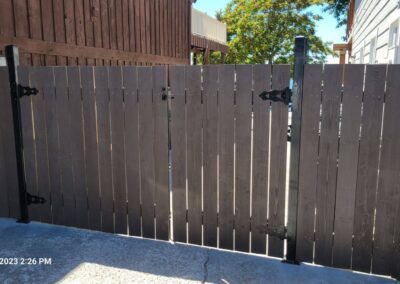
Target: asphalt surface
82,256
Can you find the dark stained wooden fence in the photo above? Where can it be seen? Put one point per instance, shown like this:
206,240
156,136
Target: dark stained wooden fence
98,143
225,186
97,32
95,147
349,191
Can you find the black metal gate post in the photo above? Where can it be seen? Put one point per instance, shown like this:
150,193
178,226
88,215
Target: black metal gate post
12,57
300,59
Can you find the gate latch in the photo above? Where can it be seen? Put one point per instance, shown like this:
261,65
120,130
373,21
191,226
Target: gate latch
33,199
26,91
165,93
277,95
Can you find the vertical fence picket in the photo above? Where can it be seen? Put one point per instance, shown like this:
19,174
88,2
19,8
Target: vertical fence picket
104,144
327,164
67,212
118,149
52,142
91,148
225,150
147,140
178,145
77,147
347,165
262,110
38,77
367,173
160,109
194,154
279,119
308,162
210,148
388,196
243,111
132,149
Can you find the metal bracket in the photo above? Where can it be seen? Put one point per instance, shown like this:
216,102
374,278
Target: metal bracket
277,95
33,199
165,93
279,232
26,91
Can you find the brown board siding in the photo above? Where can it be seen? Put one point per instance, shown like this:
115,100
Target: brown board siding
122,32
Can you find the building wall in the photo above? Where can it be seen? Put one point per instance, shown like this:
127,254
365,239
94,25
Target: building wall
375,24
208,27
101,32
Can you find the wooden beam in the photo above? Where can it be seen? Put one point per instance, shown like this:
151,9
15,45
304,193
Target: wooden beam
69,50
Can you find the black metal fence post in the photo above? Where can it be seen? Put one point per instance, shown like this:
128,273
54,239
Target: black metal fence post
12,57
300,59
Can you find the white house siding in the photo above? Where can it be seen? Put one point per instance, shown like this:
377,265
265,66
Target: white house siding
373,21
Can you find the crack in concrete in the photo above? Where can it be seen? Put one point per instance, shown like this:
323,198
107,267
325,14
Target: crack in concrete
205,268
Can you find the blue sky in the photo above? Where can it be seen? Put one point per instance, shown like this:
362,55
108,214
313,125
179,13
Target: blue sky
326,27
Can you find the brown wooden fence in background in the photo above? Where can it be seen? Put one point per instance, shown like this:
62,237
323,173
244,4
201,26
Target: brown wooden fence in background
97,32
97,145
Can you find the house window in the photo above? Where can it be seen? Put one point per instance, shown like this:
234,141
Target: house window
393,34
372,51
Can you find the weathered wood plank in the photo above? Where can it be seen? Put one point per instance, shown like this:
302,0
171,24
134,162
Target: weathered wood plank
80,28
367,172
76,142
161,148
178,145
39,79
29,143
91,148
67,212
225,151
104,146
388,196
347,167
210,152
21,27
146,142
132,149
47,87
243,113
70,31
279,119
59,28
194,110
327,164
262,111
308,162
118,149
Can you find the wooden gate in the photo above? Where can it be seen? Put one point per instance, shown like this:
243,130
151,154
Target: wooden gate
229,156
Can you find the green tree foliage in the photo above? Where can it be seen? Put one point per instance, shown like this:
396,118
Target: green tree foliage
339,10
262,31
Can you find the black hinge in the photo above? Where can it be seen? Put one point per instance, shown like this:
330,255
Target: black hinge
26,91
33,199
277,95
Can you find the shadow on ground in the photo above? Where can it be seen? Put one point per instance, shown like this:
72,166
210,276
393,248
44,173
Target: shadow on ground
82,256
